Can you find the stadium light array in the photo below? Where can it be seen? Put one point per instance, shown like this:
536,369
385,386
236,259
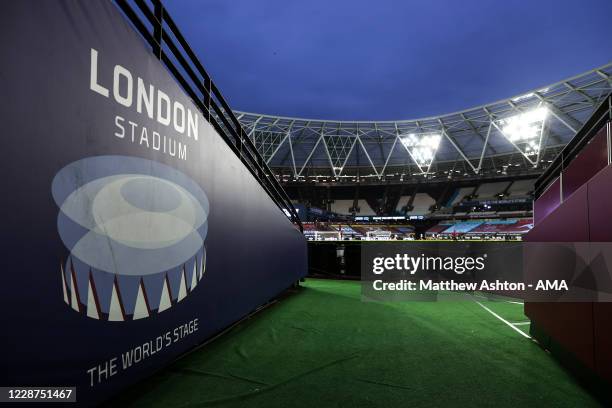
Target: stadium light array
525,129
422,147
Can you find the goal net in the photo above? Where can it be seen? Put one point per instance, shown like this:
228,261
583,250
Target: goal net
378,235
327,236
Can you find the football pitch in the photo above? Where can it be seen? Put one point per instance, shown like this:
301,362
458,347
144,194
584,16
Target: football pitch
322,346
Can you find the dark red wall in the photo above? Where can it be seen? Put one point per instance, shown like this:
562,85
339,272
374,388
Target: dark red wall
600,230
547,202
589,162
584,329
570,324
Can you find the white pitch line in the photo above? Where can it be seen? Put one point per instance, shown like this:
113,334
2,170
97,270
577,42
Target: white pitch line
520,323
503,320
502,300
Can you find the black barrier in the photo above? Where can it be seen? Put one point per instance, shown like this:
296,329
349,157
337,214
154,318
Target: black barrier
187,69
133,231
324,259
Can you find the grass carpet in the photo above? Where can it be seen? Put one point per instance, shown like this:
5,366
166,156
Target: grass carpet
324,347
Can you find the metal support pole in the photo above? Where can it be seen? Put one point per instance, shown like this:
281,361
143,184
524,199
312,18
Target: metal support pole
608,142
158,28
561,187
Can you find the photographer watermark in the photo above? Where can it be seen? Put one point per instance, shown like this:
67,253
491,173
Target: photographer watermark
537,272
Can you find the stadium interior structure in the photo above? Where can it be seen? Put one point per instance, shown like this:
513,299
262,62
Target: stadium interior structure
465,173
261,317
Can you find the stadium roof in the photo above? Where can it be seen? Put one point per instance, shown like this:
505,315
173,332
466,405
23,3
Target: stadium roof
515,136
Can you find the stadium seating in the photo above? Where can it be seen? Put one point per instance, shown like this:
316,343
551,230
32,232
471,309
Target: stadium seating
364,208
519,227
512,226
484,213
491,227
437,200
421,204
521,188
361,230
491,190
354,231
460,195
404,230
342,206
403,202
508,214
345,229
462,227
438,228
309,226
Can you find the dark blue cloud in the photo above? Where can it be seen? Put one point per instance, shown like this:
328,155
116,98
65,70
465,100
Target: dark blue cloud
384,59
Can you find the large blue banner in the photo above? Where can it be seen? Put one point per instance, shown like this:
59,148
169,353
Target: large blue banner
131,231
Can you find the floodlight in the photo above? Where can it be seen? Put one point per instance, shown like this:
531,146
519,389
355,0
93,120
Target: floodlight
525,129
422,147
524,126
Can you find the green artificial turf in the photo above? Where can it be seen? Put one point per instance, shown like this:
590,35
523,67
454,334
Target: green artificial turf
324,347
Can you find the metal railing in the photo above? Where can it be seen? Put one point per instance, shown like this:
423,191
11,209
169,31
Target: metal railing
151,19
600,117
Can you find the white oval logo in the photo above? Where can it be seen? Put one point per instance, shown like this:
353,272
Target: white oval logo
135,230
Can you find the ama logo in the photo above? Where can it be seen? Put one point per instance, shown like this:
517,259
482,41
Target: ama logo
135,232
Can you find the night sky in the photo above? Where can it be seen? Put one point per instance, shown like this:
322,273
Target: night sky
384,60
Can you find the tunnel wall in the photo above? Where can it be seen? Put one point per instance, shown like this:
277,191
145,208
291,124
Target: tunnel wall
90,277
582,331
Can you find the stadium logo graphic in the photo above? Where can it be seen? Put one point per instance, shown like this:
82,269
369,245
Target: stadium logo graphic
135,232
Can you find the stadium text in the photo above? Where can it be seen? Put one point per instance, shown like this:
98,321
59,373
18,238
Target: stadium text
152,140
131,91
135,355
